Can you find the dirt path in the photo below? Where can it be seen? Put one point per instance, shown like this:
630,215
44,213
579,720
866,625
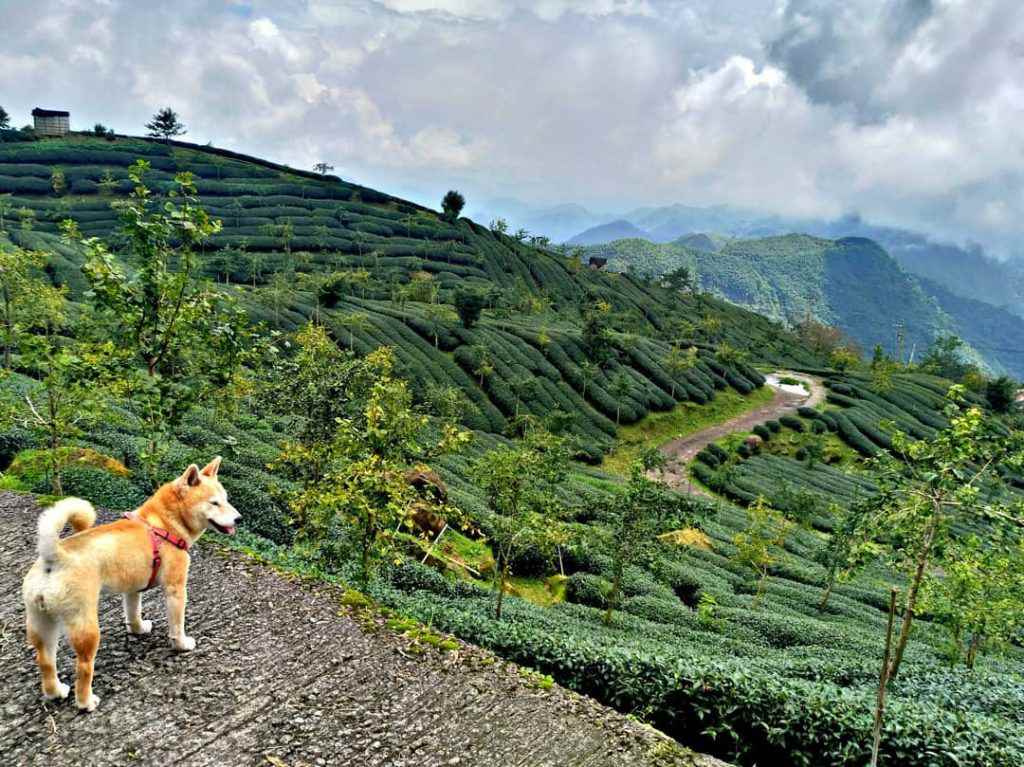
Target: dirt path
786,400
282,675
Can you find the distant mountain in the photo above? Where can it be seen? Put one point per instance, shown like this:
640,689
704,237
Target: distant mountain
616,230
700,242
559,222
851,282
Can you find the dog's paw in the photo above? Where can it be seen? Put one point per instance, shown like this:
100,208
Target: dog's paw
60,693
90,704
142,629
185,644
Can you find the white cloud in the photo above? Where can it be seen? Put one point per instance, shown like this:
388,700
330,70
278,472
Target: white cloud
904,110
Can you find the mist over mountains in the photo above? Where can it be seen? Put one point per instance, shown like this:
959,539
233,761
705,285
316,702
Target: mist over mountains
962,271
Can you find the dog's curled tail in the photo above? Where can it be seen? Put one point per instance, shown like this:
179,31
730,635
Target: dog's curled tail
79,513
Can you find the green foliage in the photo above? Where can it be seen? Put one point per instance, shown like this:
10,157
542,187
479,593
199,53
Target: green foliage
754,546
165,124
469,304
518,482
355,478
452,205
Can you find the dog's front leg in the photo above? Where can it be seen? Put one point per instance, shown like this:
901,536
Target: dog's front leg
176,596
175,579
133,614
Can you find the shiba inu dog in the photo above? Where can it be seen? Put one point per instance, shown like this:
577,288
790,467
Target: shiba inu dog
148,547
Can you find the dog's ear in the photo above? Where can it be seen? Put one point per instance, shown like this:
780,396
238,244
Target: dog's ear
211,469
190,478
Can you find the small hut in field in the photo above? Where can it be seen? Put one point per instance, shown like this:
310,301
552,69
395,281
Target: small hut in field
51,122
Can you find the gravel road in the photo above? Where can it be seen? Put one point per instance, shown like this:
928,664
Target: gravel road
786,400
284,676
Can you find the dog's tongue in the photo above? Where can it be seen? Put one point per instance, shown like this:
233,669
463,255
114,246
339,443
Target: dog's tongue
230,530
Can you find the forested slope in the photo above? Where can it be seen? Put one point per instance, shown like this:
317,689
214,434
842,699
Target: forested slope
851,282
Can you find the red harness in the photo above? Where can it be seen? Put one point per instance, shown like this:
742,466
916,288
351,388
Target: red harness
156,535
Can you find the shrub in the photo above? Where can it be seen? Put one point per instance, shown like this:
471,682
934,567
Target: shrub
708,458
762,431
587,589
719,452
101,488
792,422
773,426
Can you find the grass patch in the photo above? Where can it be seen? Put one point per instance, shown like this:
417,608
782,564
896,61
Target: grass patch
655,429
544,592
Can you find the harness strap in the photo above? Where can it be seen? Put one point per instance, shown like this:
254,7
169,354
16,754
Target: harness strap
156,535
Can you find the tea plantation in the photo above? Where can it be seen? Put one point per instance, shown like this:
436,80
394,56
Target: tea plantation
378,270
759,678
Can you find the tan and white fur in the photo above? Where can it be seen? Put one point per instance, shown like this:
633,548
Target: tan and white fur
62,589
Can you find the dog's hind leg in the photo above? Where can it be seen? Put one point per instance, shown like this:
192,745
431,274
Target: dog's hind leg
133,614
84,634
43,632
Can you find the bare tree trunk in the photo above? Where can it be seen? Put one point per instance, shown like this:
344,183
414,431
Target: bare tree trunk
828,592
883,680
915,587
972,649
613,596
502,578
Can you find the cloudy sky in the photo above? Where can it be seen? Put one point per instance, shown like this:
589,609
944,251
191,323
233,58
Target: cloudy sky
910,112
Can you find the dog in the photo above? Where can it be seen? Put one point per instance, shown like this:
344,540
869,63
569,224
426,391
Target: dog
149,546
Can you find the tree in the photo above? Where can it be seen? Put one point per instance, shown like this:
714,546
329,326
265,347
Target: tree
362,495
451,205
944,358
519,482
483,367
189,338
27,301
499,226
1001,393
107,183
470,305
843,358
322,168
438,315
848,549
925,486
63,394
5,119
822,339
766,529
355,321
597,334
61,400
678,361
166,125
620,388
681,279
980,596
6,206
588,370
58,182
634,519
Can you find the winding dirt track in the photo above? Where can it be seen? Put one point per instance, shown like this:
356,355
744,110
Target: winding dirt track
681,451
283,675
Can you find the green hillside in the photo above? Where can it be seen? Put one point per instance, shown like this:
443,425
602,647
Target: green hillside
736,656
379,270
850,282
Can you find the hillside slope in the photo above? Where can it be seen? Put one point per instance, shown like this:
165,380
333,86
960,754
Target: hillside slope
851,282
379,270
